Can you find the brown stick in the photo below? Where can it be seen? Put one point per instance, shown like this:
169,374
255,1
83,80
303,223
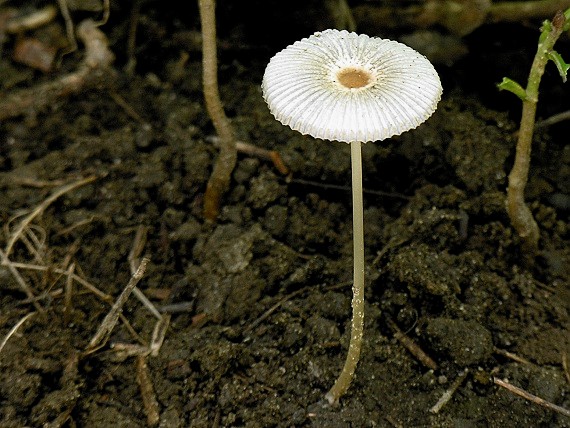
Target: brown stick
108,323
412,347
68,296
444,399
566,366
530,397
219,181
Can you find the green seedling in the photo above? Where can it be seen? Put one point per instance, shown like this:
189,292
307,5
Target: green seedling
520,215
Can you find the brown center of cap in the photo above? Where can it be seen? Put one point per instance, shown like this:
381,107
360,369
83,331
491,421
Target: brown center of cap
353,77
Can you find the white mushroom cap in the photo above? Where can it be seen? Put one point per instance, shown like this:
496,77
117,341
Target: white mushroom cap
349,87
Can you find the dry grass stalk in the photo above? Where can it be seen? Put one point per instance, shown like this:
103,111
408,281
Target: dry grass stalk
133,258
68,296
15,328
21,281
41,208
110,320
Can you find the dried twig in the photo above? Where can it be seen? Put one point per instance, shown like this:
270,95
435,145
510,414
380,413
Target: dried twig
34,243
566,366
147,391
512,356
530,397
413,347
71,386
272,309
74,276
132,37
281,301
67,230
69,27
444,399
21,281
42,207
106,13
31,21
110,320
14,329
556,118
259,152
68,297
33,182
136,250
127,108
158,334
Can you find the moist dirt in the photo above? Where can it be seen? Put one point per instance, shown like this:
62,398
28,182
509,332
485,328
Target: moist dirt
259,302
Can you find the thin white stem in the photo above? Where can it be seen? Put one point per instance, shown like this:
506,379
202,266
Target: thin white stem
345,377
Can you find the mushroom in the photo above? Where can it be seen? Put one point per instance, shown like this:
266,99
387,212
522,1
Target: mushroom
348,87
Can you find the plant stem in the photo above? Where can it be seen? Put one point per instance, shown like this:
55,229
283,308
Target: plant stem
353,355
219,180
520,215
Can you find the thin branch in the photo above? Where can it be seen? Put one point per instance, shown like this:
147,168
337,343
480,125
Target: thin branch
530,397
412,347
112,317
556,118
136,250
512,356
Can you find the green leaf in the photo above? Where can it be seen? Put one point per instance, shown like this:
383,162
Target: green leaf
512,86
560,64
544,31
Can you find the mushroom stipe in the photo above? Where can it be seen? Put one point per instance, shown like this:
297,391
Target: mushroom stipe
348,87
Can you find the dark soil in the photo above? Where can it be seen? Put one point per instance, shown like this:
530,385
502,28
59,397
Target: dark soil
260,301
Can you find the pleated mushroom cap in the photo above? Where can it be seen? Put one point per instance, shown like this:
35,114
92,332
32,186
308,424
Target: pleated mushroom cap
350,87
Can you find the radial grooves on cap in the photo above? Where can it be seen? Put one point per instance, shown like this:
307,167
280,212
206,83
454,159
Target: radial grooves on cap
302,91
